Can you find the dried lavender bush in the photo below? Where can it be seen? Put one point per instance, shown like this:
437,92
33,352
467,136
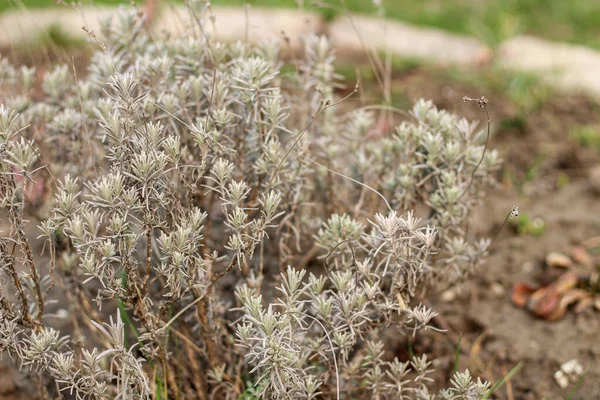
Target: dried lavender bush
184,168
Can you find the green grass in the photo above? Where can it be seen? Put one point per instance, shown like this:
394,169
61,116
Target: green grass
525,90
587,136
503,380
56,37
525,225
492,21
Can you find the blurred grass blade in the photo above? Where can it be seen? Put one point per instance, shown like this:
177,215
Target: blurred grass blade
457,355
578,383
503,380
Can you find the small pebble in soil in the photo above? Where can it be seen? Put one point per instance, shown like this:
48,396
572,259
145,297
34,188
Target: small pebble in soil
448,296
568,373
528,267
561,379
497,289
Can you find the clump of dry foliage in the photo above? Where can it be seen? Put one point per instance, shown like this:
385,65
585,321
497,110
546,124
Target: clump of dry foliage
186,186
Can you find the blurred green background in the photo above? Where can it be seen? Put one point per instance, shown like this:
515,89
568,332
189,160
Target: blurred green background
492,21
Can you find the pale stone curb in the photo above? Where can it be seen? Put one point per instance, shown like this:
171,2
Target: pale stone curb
569,67
357,34
255,25
565,66
231,24
21,27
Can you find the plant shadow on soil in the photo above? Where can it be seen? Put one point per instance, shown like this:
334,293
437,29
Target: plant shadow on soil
533,140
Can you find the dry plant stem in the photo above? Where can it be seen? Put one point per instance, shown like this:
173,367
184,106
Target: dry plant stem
198,377
168,375
218,276
41,388
482,102
6,305
142,312
34,274
52,272
16,220
330,200
508,216
303,262
332,348
201,27
490,364
202,307
355,181
148,256
509,391
321,109
26,317
337,373
214,357
476,350
373,60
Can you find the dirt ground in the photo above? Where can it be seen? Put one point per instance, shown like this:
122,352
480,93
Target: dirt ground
545,174
538,153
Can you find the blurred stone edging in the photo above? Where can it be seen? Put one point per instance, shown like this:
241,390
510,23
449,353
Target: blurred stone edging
566,66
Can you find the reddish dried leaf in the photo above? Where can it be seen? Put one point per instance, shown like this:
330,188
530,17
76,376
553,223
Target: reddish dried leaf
521,293
544,301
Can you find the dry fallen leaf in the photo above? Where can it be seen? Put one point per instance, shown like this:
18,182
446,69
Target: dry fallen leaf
521,293
570,297
566,282
584,304
543,302
581,256
552,302
558,260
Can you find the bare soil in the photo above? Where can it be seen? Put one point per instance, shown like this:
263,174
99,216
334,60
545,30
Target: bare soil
537,151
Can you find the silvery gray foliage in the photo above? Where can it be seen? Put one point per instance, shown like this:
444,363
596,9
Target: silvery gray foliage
178,170
434,163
